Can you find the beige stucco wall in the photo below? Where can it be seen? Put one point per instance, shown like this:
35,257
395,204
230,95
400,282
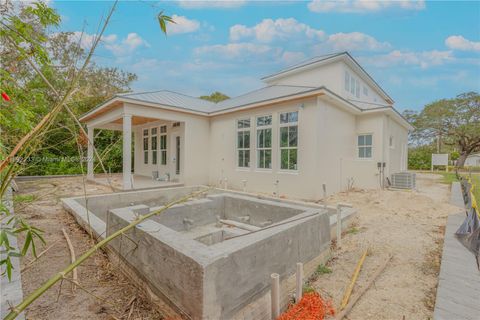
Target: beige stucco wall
302,183
195,139
329,75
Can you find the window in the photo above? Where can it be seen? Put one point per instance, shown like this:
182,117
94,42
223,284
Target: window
145,146
154,144
365,91
347,81
264,142
243,143
163,129
352,85
163,149
357,88
365,146
391,142
288,140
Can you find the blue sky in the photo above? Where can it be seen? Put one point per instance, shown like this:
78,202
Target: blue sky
418,51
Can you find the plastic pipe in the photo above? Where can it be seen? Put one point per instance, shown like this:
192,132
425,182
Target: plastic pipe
299,287
275,295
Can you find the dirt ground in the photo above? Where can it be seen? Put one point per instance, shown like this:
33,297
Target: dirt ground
97,275
406,224
410,226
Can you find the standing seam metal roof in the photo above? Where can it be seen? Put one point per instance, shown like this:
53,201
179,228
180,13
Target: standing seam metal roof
174,99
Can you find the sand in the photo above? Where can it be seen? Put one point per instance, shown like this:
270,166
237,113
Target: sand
409,225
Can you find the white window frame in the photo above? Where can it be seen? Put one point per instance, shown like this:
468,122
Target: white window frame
391,142
145,137
257,149
153,147
364,146
357,88
238,149
163,150
283,125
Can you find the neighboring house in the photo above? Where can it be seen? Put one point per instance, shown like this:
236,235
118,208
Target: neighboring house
323,121
473,160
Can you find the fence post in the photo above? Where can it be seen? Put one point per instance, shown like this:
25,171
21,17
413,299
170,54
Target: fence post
275,295
299,288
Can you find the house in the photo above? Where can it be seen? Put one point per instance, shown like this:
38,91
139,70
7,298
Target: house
473,160
323,121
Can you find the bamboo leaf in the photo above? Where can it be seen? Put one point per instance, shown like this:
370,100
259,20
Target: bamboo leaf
28,240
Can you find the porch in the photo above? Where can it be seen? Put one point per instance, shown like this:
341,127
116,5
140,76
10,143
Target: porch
152,146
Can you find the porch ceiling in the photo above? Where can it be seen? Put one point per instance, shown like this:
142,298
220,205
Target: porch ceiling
136,120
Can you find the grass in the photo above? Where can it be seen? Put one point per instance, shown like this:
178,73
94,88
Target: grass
24,198
353,230
323,269
449,177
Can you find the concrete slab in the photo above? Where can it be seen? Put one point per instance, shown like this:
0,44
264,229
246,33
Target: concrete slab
459,280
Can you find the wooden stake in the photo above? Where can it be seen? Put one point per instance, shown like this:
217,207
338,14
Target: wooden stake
72,258
348,292
354,300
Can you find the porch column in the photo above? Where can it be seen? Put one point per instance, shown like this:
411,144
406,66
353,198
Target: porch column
127,151
90,158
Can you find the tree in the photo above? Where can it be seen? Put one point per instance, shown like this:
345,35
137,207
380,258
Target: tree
452,122
215,97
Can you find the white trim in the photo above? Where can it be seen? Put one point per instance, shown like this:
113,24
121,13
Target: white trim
280,148
237,148
357,146
264,127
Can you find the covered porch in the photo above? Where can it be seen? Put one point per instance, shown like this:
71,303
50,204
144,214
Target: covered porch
152,150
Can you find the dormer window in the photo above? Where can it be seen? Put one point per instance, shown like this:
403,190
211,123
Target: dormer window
365,91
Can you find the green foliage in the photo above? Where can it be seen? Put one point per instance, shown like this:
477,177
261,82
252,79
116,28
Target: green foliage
308,288
215,97
420,158
323,269
162,21
454,155
452,122
24,198
448,177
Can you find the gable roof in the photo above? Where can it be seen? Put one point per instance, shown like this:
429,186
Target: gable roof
329,58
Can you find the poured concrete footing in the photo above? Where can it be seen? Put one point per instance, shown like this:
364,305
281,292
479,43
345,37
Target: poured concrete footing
211,258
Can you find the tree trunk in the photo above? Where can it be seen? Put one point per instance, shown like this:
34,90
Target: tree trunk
462,158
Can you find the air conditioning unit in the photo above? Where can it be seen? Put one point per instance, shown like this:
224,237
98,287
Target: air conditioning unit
403,180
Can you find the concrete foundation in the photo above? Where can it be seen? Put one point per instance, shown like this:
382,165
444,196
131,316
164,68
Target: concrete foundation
211,257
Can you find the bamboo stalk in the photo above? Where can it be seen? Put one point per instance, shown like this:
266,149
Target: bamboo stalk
348,292
61,275
72,260
354,300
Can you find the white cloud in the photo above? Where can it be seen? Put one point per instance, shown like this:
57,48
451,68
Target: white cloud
182,25
422,59
353,41
240,51
86,40
126,45
460,43
363,6
270,30
119,48
208,4
292,57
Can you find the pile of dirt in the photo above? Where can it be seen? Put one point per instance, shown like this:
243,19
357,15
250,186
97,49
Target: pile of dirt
409,225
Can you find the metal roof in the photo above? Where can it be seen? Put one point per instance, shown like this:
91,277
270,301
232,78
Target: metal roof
260,95
305,63
170,98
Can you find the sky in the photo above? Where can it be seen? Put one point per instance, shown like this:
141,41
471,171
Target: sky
418,51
